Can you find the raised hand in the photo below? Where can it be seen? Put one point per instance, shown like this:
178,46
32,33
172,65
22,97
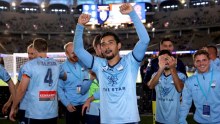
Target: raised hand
83,19
126,8
172,62
162,61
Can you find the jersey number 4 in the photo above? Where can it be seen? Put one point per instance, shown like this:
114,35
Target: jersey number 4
48,78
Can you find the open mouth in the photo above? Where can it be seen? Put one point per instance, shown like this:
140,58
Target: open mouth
108,51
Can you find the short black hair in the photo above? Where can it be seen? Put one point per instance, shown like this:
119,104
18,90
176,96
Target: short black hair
91,50
111,34
166,39
162,52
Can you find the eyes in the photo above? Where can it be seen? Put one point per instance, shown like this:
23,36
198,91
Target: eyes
104,44
201,61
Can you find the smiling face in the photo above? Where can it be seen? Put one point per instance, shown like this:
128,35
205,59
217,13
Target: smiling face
109,47
202,63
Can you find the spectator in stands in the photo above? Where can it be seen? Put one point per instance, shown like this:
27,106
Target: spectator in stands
203,88
213,55
70,91
117,75
168,84
40,76
23,104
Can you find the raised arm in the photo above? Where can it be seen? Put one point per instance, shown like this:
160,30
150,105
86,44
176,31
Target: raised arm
79,49
178,83
154,80
141,46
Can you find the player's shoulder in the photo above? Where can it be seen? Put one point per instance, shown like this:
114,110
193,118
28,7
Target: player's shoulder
1,66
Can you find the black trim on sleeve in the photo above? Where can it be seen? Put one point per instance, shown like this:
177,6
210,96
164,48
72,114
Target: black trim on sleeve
8,80
92,63
135,57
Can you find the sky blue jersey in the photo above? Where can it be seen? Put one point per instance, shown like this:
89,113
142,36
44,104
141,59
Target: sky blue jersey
4,74
44,74
167,99
215,64
68,90
117,84
192,91
118,90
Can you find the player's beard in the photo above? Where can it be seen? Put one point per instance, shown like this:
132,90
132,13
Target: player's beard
166,68
108,57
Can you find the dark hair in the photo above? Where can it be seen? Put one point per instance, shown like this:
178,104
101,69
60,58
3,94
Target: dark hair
96,40
162,52
40,45
215,48
91,50
166,39
111,34
201,52
2,61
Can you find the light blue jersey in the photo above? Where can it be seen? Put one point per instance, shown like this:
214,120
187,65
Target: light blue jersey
4,74
44,74
69,91
118,83
118,90
215,64
192,91
168,99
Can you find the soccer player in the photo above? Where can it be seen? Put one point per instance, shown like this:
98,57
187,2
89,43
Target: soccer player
204,89
168,84
21,112
40,76
70,91
165,44
117,75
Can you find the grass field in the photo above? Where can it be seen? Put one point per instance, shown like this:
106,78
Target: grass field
144,120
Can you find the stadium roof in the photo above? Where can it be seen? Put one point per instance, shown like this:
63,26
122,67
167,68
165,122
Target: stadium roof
77,2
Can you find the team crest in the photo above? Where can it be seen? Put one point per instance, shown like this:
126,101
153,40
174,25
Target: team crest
112,80
164,91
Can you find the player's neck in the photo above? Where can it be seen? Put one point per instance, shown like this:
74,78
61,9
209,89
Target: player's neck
167,72
42,55
114,60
